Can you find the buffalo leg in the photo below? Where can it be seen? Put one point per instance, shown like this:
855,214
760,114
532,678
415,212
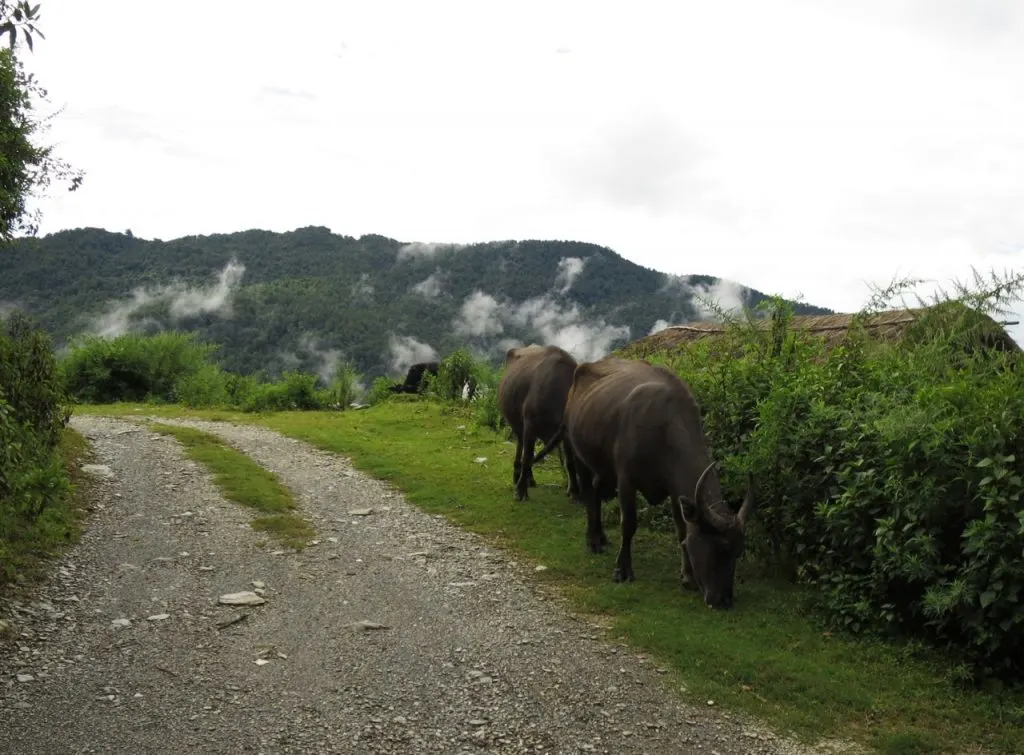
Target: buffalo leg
571,472
686,570
596,539
627,519
517,463
526,470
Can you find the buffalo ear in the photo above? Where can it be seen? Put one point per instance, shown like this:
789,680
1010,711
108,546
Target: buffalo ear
691,512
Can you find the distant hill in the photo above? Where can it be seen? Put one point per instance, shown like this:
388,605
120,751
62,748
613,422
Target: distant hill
276,301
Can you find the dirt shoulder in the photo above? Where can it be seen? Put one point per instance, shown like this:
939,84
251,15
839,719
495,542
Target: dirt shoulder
469,655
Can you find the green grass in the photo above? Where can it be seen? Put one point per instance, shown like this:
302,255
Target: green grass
27,547
244,481
769,656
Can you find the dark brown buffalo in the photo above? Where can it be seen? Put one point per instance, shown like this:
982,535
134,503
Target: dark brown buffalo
531,398
414,378
636,427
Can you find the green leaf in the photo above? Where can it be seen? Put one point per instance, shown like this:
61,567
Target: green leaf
984,463
987,598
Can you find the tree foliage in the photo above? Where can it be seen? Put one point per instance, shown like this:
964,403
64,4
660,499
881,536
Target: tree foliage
27,168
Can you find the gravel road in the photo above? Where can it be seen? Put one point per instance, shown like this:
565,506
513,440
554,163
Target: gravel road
123,649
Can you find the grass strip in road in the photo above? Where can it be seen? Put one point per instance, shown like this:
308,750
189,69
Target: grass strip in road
243,481
769,657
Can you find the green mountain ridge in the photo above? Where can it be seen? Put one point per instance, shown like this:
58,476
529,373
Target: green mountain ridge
302,298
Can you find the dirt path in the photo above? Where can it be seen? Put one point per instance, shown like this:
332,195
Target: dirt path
473,657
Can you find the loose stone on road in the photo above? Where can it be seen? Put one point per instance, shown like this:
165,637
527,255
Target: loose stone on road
174,627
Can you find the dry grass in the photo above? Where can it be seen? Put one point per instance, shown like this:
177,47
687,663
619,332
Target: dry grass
891,325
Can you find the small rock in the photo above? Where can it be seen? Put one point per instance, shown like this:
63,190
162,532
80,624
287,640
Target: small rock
261,661
360,512
122,622
540,567
244,598
258,584
99,470
365,625
25,678
158,617
4,626
480,459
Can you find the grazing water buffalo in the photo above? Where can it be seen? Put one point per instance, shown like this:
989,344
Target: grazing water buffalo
414,378
636,427
531,398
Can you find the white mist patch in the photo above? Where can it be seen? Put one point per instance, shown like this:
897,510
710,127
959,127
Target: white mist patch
407,351
195,301
362,287
326,359
430,287
184,301
6,308
729,296
569,269
565,327
481,315
428,249
659,325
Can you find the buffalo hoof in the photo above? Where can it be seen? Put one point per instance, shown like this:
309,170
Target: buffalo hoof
623,575
686,582
521,495
532,482
596,545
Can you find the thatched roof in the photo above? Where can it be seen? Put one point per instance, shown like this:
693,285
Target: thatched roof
890,325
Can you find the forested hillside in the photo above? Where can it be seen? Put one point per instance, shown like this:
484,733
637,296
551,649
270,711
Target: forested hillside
275,301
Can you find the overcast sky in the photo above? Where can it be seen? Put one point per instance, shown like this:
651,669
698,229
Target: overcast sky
795,146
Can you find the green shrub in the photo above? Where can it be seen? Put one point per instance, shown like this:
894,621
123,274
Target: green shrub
344,388
889,475
33,414
457,377
133,367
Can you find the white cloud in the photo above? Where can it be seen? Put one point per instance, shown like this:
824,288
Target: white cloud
659,325
726,295
420,249
431,286
482,316
362,287
775,152
407,351
183,301
326,359
569,269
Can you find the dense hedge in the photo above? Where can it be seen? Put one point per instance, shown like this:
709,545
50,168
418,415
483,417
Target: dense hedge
33,413
889,475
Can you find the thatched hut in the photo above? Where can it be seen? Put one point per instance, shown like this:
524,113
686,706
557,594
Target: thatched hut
890,325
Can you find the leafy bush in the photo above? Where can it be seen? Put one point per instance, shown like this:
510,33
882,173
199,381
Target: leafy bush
345,387
457,377
133,367
889,474
33,414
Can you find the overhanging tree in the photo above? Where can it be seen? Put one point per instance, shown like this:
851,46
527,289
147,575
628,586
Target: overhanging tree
27,167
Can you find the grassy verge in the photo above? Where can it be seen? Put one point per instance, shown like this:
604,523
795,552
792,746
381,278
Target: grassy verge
28,546
768,657
244,481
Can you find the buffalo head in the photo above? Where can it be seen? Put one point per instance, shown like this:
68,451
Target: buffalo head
714,541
